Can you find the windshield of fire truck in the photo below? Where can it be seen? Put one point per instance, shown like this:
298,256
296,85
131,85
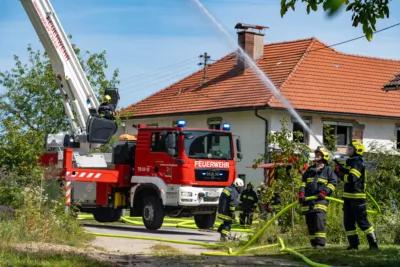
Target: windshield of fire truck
209,145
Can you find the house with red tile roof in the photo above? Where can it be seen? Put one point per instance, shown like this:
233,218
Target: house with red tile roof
324,86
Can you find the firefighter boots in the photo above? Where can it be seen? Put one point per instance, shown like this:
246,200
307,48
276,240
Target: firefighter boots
372,241
353,242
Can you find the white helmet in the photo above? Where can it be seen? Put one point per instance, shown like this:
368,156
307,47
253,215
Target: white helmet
238,182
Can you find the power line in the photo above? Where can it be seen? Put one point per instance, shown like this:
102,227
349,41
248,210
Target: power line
354,39
182,74
162,77
155,75
165,67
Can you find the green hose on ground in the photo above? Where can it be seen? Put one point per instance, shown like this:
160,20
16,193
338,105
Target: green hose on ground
267,224
304,258
187,224
141,224
158,239
248,244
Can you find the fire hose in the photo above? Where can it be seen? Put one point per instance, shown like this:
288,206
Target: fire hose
173,222
251,241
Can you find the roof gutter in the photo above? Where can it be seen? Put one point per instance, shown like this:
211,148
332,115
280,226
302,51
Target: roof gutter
265,141
260,108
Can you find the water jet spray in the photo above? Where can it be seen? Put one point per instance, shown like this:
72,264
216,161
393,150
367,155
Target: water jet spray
261,75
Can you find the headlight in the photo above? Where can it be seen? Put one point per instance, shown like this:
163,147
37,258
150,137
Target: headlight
186,194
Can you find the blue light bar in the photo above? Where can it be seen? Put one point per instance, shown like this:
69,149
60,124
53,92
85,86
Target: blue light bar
226,126
181,123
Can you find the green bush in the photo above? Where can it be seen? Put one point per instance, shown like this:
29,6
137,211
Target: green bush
38,218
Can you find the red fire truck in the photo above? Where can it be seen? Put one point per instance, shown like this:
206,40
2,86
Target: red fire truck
171,171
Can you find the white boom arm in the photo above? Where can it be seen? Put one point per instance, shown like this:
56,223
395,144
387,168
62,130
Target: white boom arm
65,64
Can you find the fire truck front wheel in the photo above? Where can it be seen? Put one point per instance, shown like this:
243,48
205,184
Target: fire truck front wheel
153,213
205,221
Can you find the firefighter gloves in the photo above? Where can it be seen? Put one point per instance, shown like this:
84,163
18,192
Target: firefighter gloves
301,197
322,195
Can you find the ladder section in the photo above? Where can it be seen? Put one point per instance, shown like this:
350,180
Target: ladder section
65,64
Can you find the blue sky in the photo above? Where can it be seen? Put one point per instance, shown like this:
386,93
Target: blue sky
143,37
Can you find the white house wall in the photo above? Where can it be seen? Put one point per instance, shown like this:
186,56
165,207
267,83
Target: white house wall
251,130
380,131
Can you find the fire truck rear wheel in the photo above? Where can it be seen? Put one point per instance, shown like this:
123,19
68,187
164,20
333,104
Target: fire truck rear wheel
205,221
153,213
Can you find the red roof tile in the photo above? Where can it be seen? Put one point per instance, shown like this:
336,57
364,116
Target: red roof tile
311,76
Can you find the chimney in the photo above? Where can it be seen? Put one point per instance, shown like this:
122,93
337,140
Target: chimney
251,42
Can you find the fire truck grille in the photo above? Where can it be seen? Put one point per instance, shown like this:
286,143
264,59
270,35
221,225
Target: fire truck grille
211,199
209,175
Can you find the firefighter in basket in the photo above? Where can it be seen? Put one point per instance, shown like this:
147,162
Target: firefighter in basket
106,109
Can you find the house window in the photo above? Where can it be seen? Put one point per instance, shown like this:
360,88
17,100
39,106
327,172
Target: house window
174,123
342,130
157,143
215,124
398,138
297,127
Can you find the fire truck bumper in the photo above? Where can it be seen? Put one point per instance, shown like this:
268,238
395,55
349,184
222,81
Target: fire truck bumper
195,196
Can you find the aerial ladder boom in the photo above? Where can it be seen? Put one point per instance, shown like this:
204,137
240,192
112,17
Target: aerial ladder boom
69,73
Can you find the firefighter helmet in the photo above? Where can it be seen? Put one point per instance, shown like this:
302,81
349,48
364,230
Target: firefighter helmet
325,153
250,184
238,182
107,98
358,147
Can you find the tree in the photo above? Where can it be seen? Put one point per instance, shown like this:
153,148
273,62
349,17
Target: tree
287,149
32,105
365,12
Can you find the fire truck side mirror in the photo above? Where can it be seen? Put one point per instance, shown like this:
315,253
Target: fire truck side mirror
239,155
238,145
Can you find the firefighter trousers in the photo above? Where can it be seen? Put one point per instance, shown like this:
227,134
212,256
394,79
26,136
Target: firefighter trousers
224,229
355,211
246,214
316,224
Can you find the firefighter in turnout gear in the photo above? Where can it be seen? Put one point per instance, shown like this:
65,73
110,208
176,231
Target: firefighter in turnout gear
318,180
106,110
248,202
228,201
354,207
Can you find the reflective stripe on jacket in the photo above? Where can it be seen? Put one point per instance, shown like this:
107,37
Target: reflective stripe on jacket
228,202
355,179
314,181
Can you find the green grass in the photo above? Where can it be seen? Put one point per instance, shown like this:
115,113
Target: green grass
15,258
387,256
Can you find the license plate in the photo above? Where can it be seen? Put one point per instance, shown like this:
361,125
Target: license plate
211,194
